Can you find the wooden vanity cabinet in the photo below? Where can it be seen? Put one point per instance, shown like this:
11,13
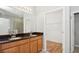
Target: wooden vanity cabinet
36,44
20,46
39,41
11,50
32,45
24,48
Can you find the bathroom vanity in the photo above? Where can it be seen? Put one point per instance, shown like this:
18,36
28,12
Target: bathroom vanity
15,32
24,44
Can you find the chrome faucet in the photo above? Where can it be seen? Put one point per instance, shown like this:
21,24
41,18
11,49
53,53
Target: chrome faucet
12,33
30,33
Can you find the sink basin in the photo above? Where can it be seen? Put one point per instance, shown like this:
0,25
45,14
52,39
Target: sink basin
16,38
33,35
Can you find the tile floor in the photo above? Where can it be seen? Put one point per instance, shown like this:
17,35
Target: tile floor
54,47
76,49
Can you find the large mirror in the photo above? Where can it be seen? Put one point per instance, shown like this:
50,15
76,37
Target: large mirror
10,22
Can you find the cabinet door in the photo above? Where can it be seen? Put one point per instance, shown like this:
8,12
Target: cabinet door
24,48
11,50
39,45
33,46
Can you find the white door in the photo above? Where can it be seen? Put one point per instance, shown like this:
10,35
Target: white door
54,26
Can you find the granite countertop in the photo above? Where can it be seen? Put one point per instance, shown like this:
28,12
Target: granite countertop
22,37
8,40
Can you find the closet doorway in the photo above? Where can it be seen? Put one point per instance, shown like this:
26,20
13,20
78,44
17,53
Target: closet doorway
54,31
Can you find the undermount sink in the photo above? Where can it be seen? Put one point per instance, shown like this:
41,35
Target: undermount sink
16,38
33,35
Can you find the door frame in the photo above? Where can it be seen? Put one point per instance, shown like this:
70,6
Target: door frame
66,29
73,31
63,27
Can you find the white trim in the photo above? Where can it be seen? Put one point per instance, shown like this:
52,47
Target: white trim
63,41
72,32
54,41
44,37
66,29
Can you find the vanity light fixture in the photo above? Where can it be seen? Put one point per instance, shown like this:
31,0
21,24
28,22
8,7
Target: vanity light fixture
23,8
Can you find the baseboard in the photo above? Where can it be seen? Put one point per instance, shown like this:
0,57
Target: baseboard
76,45
54,41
